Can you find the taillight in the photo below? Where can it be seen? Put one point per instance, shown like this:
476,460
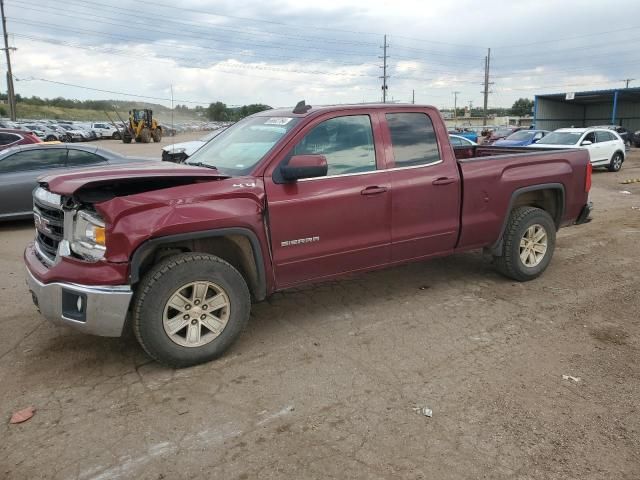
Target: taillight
587,181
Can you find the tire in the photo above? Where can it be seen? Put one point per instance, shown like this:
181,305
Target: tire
157,135
616,162
116,136
145,135
126,139
152,313
511,264
50,138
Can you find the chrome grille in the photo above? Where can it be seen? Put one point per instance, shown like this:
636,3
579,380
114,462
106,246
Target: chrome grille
49,222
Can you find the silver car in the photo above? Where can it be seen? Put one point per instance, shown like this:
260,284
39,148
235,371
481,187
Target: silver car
20,168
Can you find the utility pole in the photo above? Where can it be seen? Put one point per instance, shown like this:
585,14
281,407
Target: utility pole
627,81
455,107
486,92
384,76
11,96
413,97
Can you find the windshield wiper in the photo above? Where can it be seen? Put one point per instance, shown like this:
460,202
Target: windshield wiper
205,165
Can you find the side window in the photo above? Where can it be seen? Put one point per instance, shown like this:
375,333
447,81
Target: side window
413,139
8,138
538,136
34,160
456,142
591,137
346,142
602,136
80,158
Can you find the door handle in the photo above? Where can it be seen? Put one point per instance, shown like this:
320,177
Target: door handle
443,181
373,190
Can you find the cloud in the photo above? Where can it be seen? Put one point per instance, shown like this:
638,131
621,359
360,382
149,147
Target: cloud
325,52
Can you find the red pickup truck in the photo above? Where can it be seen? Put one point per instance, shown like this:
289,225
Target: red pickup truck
280,199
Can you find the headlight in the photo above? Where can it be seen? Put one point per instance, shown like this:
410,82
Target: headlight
89,239
177,150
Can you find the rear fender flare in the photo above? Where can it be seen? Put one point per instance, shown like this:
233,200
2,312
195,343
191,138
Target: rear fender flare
496,248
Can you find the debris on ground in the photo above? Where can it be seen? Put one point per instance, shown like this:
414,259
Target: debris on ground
625,192
569,377
426,411
22,415
630,180
635,208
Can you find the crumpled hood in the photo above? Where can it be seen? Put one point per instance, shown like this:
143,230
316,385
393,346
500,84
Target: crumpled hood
187,147
68,183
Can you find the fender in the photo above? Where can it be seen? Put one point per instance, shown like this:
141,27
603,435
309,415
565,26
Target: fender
148,245
496,248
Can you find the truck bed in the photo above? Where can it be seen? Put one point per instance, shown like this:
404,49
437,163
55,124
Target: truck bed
496,175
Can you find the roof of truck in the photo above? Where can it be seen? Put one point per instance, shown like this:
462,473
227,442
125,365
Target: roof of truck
288,111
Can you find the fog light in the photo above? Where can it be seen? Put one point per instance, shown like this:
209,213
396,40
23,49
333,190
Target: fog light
74,305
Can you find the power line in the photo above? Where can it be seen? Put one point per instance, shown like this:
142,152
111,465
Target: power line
566,38
113,92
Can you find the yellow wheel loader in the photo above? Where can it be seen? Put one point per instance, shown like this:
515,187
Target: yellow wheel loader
142,127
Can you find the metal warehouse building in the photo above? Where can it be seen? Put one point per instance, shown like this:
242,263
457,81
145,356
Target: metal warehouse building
585,109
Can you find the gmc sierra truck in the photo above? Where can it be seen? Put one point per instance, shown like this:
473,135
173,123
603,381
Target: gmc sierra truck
283,198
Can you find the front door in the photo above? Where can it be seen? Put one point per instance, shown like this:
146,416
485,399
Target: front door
425,211
321,227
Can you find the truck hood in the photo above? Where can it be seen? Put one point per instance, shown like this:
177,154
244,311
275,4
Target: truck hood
187,147
144,176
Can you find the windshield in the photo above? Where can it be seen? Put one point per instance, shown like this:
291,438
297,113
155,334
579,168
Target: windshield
561,138
212,134
243,145
521,135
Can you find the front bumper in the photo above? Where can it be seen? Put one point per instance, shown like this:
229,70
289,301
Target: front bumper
96,310
585,213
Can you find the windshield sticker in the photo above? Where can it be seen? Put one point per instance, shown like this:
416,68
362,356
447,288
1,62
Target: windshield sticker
278,121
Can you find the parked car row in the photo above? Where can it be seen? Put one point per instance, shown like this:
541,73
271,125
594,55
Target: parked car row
606,146
65,131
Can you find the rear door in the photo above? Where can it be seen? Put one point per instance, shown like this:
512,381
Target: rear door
595,150
425,201
18,175
321,227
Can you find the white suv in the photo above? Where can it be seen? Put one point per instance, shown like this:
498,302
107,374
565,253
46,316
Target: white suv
106,130
606,148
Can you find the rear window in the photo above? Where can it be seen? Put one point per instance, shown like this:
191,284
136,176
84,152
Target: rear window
413,139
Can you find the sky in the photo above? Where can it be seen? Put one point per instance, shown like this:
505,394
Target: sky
278,52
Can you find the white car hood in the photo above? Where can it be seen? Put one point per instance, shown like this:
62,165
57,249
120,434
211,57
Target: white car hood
187,147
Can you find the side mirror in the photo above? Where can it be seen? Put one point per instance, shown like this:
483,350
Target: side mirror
304,166
586,142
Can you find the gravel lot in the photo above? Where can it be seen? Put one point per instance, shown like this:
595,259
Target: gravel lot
324,382
151,150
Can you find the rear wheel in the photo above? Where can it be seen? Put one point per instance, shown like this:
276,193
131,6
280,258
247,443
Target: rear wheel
157,135
528,244
189,309
616,162
116,136
50,138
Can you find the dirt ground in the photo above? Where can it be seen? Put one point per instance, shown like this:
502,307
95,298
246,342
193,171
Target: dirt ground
324,382
151,150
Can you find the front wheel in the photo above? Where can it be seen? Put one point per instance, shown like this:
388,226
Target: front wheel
528,244
189,309
616,162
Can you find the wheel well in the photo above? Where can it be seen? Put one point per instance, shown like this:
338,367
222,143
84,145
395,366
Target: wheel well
549,199
236,249
621,153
